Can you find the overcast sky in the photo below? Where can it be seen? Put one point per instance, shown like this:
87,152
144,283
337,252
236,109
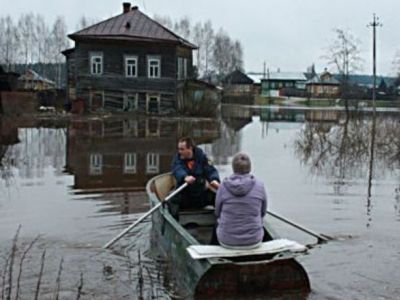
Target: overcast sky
287,34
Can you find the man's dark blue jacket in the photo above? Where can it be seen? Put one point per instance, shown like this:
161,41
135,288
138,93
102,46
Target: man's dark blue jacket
202,169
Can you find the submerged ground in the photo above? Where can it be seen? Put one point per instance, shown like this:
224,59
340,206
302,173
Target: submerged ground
74,185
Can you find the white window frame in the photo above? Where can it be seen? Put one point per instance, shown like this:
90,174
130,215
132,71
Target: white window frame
96,68
128,66
130,160
152,69
133,96
152,163
96,164
148,98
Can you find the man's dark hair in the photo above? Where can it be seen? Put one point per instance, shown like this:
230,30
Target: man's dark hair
188,141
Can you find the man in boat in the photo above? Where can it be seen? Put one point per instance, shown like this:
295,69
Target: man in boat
241,204
191,165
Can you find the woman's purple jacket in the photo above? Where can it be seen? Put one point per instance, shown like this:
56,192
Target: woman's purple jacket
240,206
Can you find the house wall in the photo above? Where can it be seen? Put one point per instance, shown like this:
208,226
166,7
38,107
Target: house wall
114,84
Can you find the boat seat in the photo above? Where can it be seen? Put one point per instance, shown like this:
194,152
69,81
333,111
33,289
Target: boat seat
270,247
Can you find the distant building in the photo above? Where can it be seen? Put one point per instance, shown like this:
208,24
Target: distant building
272,83
32,81
238,88
128,63
324,85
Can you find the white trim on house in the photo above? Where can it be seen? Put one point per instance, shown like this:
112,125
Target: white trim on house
131,66
152,163
130,161
96,164
153,66
96,63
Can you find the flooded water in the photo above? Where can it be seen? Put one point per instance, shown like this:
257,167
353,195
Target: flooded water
76,183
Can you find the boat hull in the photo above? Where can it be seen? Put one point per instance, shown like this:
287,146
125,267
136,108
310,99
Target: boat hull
217,277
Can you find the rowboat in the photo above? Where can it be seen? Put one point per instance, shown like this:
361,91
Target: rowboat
257,275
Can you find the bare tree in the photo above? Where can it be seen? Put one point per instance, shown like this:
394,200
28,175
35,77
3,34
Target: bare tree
208,44
9,42
165,21
344,55
27,38
59,43
183,27
85,22
198,34
227,55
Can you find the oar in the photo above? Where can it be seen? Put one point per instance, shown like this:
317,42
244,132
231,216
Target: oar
320,237
110,243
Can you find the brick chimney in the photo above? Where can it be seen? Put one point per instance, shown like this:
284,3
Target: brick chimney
126,7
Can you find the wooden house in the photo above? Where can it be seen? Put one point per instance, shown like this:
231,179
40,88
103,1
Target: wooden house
32,81
238,88
128,63
324,85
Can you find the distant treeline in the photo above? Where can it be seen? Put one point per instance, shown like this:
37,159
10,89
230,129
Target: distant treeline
218,53
30,42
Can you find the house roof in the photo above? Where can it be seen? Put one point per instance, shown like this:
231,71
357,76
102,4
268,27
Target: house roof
238,77
323,79
292,76
131,25
32,75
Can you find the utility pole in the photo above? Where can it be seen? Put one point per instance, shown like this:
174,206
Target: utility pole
375,23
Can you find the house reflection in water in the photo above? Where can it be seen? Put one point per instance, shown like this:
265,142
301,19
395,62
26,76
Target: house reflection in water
116,157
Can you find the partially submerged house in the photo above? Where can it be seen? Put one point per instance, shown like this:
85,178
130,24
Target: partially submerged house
128,63
324,85
238,88
273,83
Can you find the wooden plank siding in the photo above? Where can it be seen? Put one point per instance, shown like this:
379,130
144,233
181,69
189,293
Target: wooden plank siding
113,82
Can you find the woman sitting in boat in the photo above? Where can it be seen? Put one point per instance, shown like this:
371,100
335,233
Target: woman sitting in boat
191,165
240,207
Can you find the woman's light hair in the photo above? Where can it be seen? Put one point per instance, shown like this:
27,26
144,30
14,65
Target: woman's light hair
241,163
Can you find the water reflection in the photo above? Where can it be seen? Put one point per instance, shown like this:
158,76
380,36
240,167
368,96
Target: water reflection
119,156
80,181
353,147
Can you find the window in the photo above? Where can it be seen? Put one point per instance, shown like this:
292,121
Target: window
96,63
130,102
153,103
130,163
96,164
182,68
152,163
131,66
154,67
